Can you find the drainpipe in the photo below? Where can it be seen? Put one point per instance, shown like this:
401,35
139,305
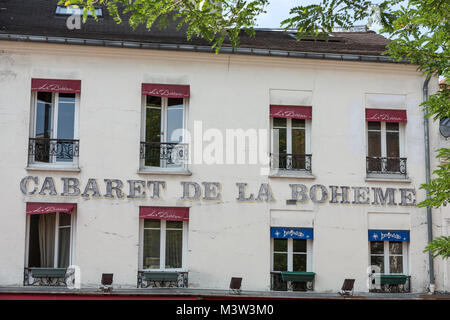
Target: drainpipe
432,285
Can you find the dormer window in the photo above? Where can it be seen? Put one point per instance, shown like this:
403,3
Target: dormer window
71,10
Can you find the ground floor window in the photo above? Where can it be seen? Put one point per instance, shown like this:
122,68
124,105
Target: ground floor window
291,258
50,240
388,259
162,244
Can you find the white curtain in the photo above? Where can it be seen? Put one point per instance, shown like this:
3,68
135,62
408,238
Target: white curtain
47,239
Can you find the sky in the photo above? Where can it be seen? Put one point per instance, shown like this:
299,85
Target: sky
278,10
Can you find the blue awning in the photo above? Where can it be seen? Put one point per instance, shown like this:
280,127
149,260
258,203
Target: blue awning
291,233
389,235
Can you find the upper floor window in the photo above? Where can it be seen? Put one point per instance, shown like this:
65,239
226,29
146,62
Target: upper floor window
163,125
385,141
54,123
291,126
70,10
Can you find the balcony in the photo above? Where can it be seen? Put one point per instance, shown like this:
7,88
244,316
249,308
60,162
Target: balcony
390,283
290,162
163,157
291,281
54,277
53,152
386,166
162,279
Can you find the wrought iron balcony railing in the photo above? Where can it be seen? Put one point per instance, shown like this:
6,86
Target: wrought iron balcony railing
287,161
386,165
162,279
53,150
278,284
163,154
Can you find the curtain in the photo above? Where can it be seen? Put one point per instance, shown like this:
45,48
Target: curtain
47,239
63,247
174,240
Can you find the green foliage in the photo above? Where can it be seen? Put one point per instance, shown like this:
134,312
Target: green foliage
440,246
439,188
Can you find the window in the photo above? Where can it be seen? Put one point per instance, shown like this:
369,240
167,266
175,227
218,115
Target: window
291,252
164,245
54,134
389,256
290,144
49,240
163,137
385,141
70,10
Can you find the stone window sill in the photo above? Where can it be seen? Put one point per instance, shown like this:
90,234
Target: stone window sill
50,167
163,171
291,174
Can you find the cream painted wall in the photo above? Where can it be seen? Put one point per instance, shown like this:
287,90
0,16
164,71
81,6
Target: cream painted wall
226,238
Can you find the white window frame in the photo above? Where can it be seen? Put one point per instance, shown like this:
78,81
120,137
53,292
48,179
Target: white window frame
162,248
401,137
164,138
57,227
289,136
386,256
54,131
290,255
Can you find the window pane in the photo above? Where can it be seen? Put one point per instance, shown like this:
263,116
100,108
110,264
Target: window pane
395,247
298,123
64,219
174,224
44,115
63,247
298,141
299,261
174,248
153,132
396,264
377,247
153,119
299,245
377,261
174,120
46,236
374,142
280,245
280,262
34,252
392,144
151,249
373,125
392,126
150,223
66,115
43,126
280,132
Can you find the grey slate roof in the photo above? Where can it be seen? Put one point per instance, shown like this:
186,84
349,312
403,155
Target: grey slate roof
38,17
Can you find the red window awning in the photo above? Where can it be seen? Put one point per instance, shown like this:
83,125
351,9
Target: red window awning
42,207
164,213
166,90
292,112
56,85
386,115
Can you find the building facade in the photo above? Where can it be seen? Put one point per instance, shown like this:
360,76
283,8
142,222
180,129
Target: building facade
188,168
